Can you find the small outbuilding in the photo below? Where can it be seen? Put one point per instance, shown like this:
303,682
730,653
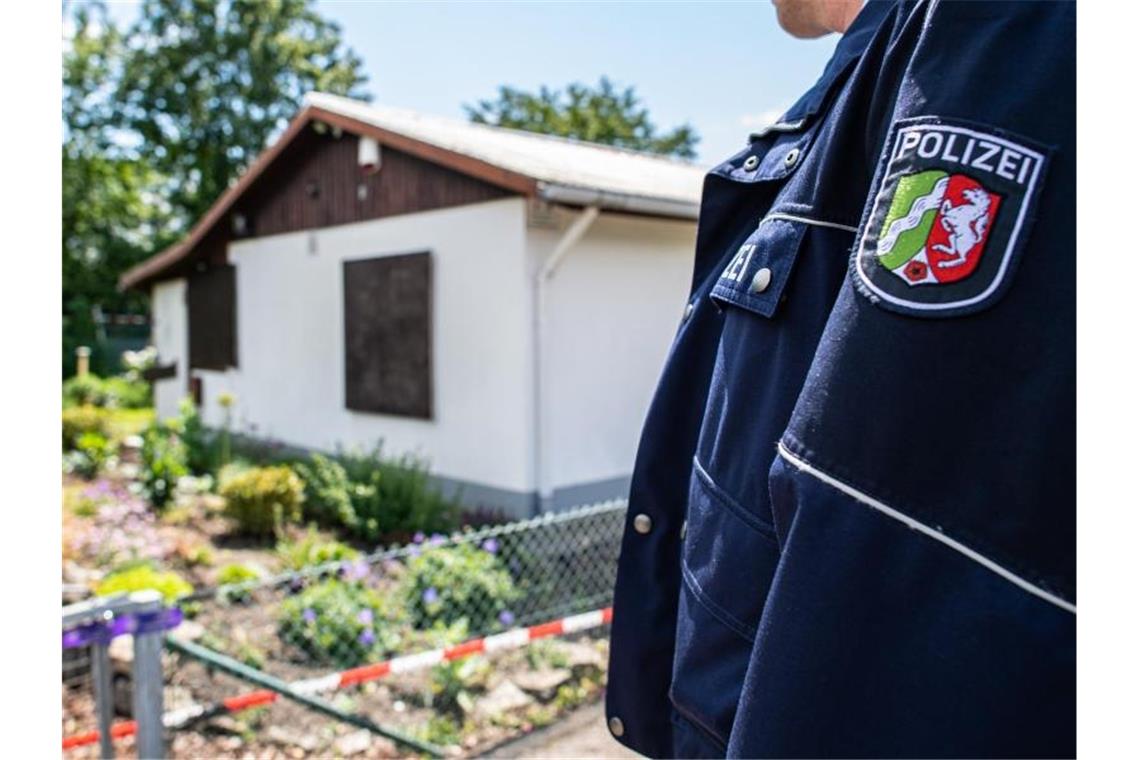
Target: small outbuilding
499,302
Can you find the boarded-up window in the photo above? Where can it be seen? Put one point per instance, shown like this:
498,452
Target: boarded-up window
387,335
211,304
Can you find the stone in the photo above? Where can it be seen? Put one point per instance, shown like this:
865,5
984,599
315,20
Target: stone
502,699
122,653
542,683
287,738
188,630
580,655
354,743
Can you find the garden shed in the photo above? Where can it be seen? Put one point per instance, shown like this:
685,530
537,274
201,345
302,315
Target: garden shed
497,301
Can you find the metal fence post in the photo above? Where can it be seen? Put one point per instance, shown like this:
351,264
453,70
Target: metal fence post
147,679
104,696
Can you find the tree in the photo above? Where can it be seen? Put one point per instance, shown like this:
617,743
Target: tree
160,119
602,115
108,222
207,83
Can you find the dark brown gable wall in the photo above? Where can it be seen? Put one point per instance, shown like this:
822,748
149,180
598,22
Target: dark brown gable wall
316,183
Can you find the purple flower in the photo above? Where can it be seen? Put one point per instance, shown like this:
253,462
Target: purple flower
309,615
414,551
367,637
355,571
431,596
365,617
418,538
491,546
437,539
506,617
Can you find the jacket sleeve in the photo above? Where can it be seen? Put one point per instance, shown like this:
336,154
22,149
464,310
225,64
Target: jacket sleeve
924,493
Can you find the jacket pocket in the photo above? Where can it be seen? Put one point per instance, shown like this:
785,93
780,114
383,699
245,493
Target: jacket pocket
728,560
757,274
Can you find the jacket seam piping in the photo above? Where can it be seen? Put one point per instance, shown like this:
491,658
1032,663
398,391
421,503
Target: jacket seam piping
925,529
808,220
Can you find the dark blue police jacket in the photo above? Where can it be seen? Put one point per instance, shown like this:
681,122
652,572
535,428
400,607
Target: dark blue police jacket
851,527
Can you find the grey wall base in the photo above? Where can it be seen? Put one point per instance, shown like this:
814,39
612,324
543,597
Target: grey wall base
522,504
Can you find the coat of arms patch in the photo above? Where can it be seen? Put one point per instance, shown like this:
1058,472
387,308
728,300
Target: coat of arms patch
952,207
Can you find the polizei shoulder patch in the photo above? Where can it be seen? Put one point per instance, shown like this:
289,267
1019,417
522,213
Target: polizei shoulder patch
953,205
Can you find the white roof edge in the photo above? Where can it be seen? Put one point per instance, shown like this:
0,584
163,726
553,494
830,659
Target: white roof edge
567,171
588,196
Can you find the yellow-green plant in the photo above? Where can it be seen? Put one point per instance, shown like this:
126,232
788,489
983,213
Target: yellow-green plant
263,500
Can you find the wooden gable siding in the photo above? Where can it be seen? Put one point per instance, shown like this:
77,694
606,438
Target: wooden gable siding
316,183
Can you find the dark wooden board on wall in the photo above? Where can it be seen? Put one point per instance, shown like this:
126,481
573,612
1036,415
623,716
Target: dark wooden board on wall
211,306
387,335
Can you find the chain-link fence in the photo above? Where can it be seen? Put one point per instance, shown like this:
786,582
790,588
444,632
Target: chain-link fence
383,640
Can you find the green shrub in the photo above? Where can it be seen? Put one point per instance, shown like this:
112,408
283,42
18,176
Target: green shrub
338,623
118,392
83,390
234,574
80,420
262,500
124,393
328,492
311,549
163,462
140,577
445,585
374,497
91,454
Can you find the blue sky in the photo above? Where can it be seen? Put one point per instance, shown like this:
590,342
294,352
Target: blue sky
724,67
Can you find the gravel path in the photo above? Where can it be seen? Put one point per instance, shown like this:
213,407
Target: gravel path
581,735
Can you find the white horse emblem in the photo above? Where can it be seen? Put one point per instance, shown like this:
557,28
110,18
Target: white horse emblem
966,224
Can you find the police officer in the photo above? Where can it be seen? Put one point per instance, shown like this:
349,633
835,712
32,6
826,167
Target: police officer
851,527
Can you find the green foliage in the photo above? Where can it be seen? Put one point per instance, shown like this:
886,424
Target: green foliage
328,491
115,392
80,420
311,549
91,454
236,573
163,462
205,100
454,684
262,500
160,119
373,496
442,731
600,115
201,454
338,623
143,576
447,584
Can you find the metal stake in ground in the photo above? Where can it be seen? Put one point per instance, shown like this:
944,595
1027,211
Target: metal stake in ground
246,673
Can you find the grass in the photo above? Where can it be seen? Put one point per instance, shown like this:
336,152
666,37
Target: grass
124,422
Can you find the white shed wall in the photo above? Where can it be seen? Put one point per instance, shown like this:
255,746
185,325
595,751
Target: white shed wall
611,310
169,335
290,382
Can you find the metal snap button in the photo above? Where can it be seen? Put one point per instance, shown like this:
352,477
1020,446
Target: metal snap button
643,523
792,157
684,529
762,280
751,163
617,728
689,310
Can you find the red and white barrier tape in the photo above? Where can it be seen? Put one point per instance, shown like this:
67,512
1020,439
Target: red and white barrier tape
499,642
